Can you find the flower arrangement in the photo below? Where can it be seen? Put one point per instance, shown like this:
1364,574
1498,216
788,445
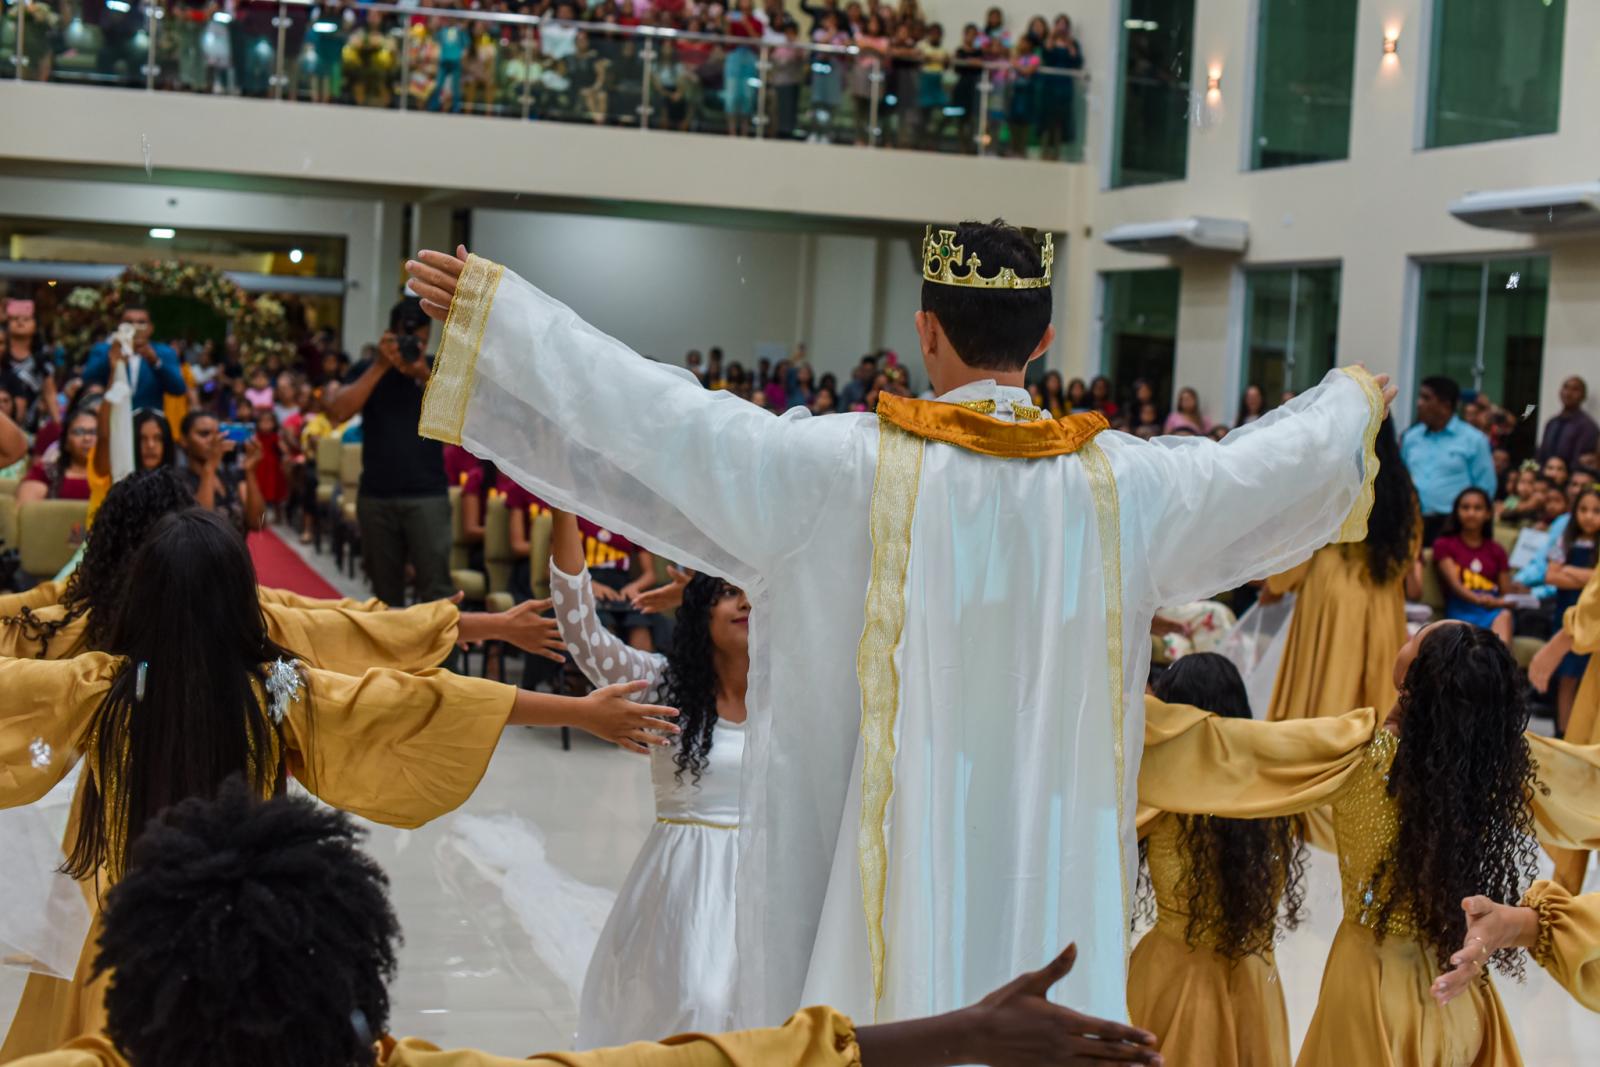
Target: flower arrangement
258,323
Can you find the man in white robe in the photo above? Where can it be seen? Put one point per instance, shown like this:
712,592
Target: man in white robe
951,610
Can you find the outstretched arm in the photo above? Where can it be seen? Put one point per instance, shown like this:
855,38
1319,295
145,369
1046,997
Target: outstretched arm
1562,930
580,419
1212,515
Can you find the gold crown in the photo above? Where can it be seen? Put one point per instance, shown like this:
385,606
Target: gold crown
940,252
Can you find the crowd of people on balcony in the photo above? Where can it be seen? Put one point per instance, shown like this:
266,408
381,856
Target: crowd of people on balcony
833,70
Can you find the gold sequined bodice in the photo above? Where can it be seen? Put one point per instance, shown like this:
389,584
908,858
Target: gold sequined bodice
1170,877
1367,821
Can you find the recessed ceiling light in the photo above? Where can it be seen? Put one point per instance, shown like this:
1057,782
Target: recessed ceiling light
163,233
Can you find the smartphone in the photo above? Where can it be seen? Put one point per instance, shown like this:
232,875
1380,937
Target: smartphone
238,432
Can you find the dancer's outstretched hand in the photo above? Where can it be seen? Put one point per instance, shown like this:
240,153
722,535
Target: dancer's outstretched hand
434,276
1015,1026
611,715
530,629
664,598
1490,928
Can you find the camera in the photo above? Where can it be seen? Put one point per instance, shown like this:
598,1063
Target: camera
410,346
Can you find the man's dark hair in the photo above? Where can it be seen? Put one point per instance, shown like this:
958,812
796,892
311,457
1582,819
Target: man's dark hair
407,316
190,418
1444,388
993,329
256,933
134,305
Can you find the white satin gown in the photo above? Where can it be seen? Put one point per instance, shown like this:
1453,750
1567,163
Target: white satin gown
664,963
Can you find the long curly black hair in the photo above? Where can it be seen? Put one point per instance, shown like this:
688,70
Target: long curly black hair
1461,778
1392,527
1240,869
691,674
258,928
130,511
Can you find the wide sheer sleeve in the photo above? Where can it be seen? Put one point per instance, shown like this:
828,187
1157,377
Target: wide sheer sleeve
350,640
1582,620
46,708
1566,802
399,749
287,599
814,1037
1569,939
1196,763
643,449
1211,515
604,658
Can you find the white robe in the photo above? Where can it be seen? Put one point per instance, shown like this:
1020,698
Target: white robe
1010,606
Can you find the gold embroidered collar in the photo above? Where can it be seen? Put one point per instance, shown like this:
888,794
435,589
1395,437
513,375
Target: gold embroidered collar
968,426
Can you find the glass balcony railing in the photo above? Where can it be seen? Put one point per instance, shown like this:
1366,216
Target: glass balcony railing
769,84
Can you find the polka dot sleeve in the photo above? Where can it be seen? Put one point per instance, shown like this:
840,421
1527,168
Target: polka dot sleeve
604,658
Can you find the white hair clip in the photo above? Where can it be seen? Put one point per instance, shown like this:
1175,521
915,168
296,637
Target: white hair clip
283,684
139,677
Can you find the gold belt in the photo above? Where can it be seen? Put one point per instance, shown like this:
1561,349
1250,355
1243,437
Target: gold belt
698,822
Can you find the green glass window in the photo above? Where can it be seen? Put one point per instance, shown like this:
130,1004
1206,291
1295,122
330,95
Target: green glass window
1496,70
1482,323
1139,331
1292,318
1305,62
1153,92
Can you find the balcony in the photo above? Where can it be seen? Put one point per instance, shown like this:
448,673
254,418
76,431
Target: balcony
513,105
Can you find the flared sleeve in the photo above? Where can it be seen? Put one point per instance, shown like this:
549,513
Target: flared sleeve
1289,581
580,420
1566,802
284,598
351,640
1569,939
1197,763
397,748
814,1037
1582,620
1213,515
45,633
603,657
42,595
46,707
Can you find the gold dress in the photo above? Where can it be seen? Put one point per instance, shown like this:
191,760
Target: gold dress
1374,1009
1582,621
348,640
1569,939
1205,1009
815,1037
1343,637
396,748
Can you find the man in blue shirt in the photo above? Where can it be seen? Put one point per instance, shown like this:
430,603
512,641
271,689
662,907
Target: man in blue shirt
1444,453
155,374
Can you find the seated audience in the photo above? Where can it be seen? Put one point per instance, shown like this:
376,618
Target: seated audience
218,483
1473,566
66,476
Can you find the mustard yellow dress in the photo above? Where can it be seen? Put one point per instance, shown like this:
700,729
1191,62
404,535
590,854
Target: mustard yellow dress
1343,637
815,1037
396,748
1569,939
1205,1009
348,640
1582,621
1374,1009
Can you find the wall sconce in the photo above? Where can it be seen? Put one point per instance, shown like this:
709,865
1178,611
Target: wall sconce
1391,45
1214,81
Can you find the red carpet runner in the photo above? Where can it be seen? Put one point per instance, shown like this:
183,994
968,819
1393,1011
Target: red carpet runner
279,567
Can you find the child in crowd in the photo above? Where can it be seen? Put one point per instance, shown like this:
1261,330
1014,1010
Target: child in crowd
1473,567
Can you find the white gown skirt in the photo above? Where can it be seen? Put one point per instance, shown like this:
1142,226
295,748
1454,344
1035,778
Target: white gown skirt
665,961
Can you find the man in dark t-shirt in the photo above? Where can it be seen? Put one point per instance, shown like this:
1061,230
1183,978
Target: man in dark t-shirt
404,505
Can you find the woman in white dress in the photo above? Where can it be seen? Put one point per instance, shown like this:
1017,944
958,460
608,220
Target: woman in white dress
664,962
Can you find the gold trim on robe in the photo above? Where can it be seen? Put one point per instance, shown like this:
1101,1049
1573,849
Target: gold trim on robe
974,431
894,505
455,367
1354,527
1108,521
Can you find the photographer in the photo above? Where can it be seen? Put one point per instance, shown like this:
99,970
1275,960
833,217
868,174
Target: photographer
404,507
155,375
215,481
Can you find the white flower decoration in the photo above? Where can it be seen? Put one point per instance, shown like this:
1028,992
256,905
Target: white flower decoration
284,684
